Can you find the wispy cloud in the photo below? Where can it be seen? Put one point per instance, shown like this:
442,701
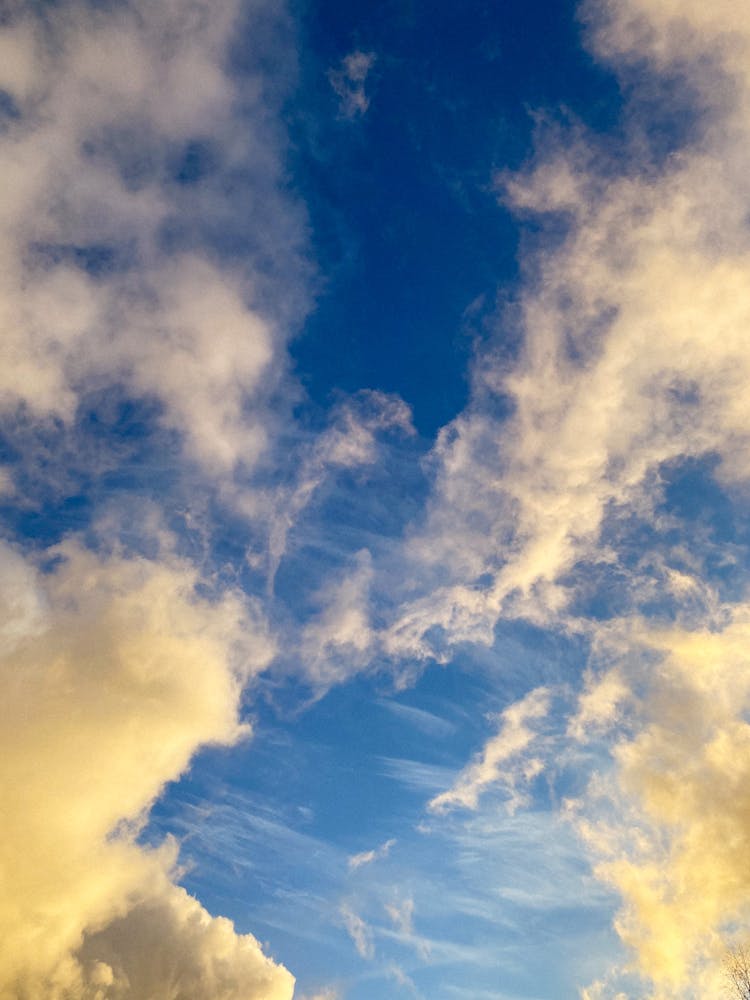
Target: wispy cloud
360,933
502,759
402,914
367,857
348,81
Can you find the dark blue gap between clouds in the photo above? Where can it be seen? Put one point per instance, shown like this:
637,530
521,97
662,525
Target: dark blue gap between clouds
406,228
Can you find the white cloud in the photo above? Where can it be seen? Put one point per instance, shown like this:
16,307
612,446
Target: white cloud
367,857
402,916
358,931
634,356
90,297
503,758
337,642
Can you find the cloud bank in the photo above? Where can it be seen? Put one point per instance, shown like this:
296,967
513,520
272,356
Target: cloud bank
123,127
114,671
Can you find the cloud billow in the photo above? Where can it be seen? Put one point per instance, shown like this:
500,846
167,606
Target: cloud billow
119,658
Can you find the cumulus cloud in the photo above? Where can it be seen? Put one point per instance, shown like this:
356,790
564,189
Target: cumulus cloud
671,833
348,81
114,671
112,108
171,946
502,760
123,126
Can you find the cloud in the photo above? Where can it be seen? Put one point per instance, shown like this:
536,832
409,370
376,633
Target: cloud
94,295
599,704
634,355
633,365
186,952
339,639
114,671
502,759
351,441
122,287
348,81
358,931
402,916
670,825
367,857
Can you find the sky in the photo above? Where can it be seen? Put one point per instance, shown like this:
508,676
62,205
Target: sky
374,476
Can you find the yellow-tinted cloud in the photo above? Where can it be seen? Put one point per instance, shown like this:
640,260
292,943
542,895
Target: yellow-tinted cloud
673,833
636,356
599,704
113,672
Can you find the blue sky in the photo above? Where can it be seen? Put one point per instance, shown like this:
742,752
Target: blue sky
374,457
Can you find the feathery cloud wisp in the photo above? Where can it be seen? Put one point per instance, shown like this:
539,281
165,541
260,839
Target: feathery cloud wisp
348,82
367,857
502,759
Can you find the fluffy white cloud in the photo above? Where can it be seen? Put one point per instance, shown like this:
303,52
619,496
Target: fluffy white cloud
110,102
113,672
635,354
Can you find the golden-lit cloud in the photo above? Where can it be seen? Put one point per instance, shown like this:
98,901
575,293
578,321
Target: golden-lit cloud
634,354
671,824
114,671
635,357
